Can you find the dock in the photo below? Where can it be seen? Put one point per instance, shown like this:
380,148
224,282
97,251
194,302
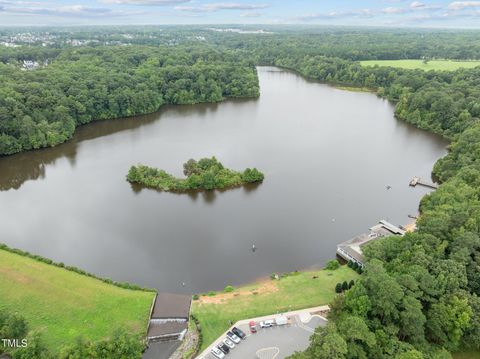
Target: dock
418,181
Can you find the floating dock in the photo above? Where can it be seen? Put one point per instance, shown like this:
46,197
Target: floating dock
418,181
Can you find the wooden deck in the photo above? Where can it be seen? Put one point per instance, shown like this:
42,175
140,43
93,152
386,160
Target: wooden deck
418,181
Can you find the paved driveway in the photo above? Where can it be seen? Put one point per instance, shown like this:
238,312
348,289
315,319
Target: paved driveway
276,342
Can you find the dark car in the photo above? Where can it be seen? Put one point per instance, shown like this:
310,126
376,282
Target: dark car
223,348
239,333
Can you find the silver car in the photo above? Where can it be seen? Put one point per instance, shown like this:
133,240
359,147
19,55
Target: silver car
217,353
228,343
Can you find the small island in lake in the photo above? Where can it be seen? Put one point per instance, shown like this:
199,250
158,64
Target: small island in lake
205,174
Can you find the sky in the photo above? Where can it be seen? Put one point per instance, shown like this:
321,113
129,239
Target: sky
393,13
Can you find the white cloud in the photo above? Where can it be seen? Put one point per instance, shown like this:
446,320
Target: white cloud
251,14
145,2
461,5
221,6
417,5
64,11
395,10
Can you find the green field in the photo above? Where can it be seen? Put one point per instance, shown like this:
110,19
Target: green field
291,293
64,305
438,65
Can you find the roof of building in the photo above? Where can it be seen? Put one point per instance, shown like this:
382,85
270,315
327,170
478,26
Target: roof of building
353,246
171,306
156,330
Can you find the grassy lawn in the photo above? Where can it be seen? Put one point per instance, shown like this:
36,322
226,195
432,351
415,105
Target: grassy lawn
439,65
291,293
466,355
63,305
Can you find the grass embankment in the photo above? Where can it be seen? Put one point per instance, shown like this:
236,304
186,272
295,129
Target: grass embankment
437,65
63,305
296,291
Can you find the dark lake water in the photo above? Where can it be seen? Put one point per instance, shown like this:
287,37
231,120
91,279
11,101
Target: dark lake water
326,154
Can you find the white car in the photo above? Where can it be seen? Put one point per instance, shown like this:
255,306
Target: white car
267,324
217,353
228,343
233,337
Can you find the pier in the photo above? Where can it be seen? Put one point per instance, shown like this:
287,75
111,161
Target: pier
418,181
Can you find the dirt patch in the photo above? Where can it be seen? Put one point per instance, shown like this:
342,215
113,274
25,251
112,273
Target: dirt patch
411,227
15,276
266,286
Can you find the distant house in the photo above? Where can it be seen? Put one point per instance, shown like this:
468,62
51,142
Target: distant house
351,250
169,318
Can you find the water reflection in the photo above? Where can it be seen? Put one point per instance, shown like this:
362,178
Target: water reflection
15,170
206,196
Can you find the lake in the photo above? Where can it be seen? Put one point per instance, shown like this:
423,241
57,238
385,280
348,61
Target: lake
327,155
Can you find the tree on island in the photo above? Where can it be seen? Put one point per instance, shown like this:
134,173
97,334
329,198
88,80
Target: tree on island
205,174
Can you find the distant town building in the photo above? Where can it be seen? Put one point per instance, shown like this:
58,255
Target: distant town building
351,250
30,65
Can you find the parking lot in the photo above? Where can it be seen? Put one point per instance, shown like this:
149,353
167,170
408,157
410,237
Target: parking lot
276,342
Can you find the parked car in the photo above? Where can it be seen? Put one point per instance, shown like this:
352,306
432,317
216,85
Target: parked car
217,353
267,324
253,327
223,348
239,333
228,343
233,337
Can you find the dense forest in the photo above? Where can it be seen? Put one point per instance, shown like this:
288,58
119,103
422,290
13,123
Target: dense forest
42,107
204,174
418,296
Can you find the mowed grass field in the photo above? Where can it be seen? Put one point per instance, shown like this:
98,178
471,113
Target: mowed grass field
63,305
437,65
294,292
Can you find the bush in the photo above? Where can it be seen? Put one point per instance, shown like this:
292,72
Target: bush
229,289
212,294
195,297
338,288
332,264
345,285
350,264
274,276
351,284
355,266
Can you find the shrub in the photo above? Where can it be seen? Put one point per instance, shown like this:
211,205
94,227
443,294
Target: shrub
350,264
345,285
350,285
274,276
229,289
195,297
355,266
338,288
332,264
212,294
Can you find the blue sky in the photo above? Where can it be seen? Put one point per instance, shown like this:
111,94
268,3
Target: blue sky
396,13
